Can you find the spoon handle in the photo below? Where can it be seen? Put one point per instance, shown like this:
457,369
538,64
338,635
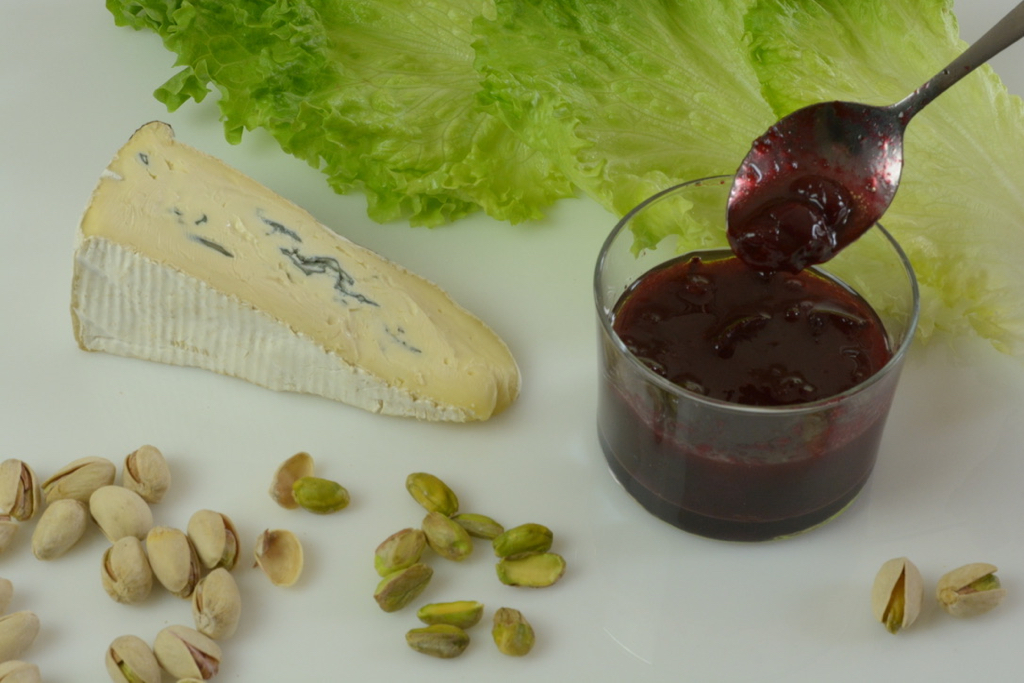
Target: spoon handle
1008,31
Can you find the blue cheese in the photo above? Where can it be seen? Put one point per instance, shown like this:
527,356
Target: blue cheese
181,259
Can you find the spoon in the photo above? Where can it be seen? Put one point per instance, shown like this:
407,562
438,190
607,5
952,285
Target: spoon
820,177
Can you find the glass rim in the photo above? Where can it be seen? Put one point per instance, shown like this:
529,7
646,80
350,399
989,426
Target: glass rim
793,409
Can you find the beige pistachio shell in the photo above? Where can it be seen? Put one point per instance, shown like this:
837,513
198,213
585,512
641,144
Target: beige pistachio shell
59,528
20,495
16,671
18,631
126,574
78,479
8,530
6,593
279,554
184,652
120,512
970,590
215,539
146,472
131,660
897,594
217,604
173,560
291,470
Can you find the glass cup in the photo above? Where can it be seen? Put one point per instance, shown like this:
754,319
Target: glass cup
726,470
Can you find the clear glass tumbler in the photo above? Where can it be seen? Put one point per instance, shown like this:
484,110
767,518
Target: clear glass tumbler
726,470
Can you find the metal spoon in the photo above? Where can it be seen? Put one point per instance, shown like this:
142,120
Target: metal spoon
820,177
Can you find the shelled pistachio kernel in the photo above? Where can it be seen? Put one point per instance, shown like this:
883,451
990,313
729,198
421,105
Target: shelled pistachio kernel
897,594
184,652
438,640
20,495
970,590
512,633
446,537
432,493
461,613
173,560
119,512
320,496
399,550
130,660
215,539
217,604
78,479
126,574
279,554
59,528
531,570
146,472
479,526
398,589
18,630
294,468
16,671
525,538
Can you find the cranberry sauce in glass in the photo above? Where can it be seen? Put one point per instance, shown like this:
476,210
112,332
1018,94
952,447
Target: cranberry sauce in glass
738,404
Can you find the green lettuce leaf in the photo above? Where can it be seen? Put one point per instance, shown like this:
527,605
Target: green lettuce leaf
378,94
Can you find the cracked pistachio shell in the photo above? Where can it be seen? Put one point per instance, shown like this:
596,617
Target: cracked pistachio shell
184,652
20,495
130,660
6,593
438,640
217,604
970,590
461,613
480,526
512,633
8,529
59,528
18,631
120,512
146,472
531,570
16,671
525,538
897,594
291,470
279,554
173,560
127,576
215,539
399,550
78,479
398,589
432,493
446,537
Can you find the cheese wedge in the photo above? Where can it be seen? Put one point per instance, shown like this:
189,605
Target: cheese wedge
183,260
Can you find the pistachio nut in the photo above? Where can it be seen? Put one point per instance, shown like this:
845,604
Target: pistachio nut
127,576
59,528
8,529
120,512
279,554
432,493
6,593
970,590
215,539
20,496
398,589
16,671
438,640
399,550
525,538
184,652
130,660
896,595
531,570
321,496
461,613
446,537
146,472
480,526
291,470
78,479
18,631
512,633
173,560
217,604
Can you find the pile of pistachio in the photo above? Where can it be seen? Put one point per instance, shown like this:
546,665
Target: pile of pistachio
897,594
524,556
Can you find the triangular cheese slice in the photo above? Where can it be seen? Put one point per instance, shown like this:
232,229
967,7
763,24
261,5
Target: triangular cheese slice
183,260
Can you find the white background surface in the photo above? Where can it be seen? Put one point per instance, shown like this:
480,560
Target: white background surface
641,600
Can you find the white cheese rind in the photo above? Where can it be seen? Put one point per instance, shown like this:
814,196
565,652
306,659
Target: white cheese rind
293,308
